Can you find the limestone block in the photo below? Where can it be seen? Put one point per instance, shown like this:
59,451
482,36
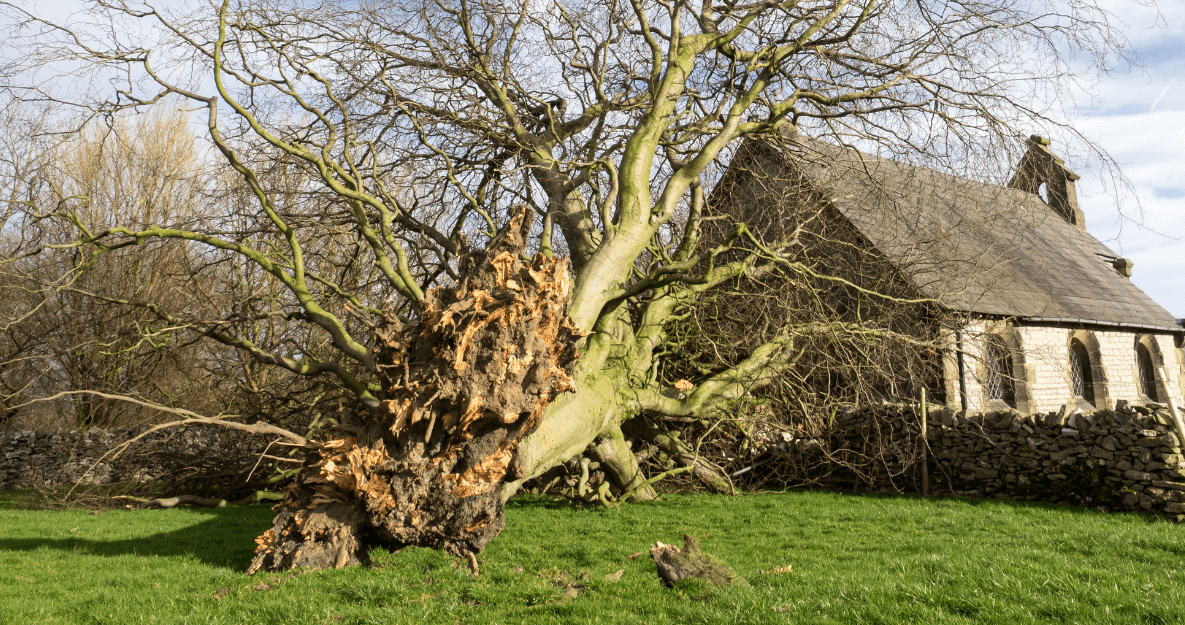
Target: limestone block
1099,452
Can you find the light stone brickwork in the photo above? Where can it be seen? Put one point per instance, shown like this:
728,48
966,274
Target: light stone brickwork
1047,353
1174,368
1119,359
1042,367
973,345
1181,372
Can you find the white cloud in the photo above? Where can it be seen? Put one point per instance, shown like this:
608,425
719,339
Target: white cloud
1138,116
1151,149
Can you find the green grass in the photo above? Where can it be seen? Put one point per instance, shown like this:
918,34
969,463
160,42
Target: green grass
68,496
854,559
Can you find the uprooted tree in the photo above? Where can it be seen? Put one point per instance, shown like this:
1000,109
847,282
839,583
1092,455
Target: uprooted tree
489,216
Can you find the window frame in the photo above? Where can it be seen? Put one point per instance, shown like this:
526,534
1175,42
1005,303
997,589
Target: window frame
1020,373
999,371
1147,344
1098,382
1080,363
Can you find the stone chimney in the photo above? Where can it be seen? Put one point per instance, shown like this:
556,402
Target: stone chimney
1041,166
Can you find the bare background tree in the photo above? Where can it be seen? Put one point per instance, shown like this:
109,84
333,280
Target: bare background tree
399,179
101,323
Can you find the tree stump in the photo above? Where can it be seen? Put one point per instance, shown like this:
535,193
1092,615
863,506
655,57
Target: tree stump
675,564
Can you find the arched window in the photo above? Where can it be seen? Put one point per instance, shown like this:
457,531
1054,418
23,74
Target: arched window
998,365
1081,379
1147,372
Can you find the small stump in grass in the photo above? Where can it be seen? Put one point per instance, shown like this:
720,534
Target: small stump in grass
675,564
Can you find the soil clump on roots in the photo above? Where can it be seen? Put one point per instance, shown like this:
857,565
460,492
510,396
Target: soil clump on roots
461,388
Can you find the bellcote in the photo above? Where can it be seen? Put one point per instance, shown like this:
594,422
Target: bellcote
1040,166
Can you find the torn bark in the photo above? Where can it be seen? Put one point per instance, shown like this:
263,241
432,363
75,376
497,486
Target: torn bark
461,388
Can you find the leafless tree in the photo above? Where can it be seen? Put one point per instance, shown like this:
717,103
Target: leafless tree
24,157
86,323
405,159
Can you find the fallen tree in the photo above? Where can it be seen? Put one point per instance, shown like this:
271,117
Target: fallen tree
454,200
465,385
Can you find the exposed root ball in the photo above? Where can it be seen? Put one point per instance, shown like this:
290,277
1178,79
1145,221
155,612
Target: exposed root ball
462,387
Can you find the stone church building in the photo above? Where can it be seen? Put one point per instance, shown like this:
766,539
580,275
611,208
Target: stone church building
1036,313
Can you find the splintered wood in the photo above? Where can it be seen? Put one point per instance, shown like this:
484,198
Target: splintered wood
462,386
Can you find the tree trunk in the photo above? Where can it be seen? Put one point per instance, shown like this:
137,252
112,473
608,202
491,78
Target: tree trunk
462,387
620,463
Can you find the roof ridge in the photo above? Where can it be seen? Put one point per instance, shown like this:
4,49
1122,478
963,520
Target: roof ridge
1003,252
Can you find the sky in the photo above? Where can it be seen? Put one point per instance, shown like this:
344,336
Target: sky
1138,117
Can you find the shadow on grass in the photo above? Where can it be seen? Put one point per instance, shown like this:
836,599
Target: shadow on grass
226,539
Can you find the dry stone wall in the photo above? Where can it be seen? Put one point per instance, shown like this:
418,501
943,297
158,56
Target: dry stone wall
203,459
1124,459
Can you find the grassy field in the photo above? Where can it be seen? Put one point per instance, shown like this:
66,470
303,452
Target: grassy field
851,559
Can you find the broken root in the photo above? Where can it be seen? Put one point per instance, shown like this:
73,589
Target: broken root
205,502
674,564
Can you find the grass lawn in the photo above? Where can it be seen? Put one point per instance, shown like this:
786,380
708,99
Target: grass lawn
852,559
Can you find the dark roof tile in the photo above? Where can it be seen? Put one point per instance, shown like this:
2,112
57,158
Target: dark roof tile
977,247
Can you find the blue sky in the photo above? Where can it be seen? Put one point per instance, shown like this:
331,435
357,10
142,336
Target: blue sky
1139,118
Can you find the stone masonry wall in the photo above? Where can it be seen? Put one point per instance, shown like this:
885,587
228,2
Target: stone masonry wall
1180,352
1047,357
1124,459
210,458
1174,366
1045,353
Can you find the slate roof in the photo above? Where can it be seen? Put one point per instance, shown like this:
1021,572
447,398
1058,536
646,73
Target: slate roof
977,247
